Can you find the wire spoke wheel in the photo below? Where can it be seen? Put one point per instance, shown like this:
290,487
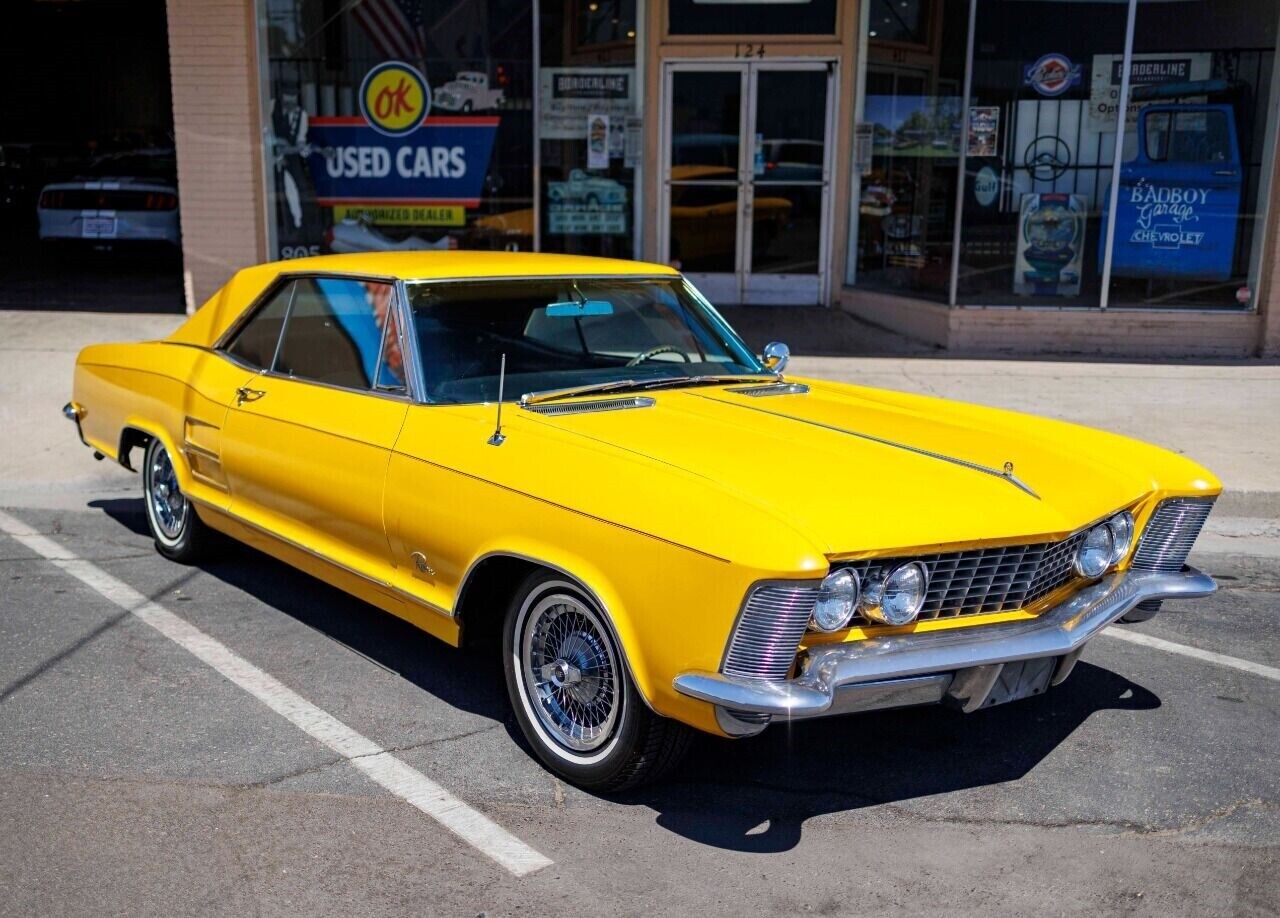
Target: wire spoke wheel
570,672
165,499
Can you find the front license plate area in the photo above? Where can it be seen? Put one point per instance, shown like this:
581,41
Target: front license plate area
1021,679
98,228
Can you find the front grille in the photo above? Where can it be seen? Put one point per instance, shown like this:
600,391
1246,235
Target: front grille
985,579
1167,539
768,632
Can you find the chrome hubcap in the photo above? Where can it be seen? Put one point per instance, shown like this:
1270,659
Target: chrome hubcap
168,506
570,673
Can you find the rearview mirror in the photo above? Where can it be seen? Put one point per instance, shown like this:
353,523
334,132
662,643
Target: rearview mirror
577,308
776,355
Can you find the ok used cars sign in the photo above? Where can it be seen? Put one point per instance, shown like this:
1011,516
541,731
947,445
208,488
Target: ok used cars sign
394,151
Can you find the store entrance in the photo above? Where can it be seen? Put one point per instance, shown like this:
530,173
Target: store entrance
746,167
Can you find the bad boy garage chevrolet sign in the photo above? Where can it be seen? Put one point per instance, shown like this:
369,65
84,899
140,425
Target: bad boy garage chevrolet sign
1178,205
394,152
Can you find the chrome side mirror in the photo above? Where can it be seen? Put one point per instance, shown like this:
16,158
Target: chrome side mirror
776,355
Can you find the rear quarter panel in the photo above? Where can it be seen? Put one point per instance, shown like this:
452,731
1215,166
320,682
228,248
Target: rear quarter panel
174,392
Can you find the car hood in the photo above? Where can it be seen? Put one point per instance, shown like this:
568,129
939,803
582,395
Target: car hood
855,469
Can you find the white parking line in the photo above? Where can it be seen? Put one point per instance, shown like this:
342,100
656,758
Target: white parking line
401,779
1209,656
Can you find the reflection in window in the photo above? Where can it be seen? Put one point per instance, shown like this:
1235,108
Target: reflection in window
335,334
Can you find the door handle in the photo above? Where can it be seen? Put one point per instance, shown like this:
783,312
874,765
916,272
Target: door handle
1227,172
245,394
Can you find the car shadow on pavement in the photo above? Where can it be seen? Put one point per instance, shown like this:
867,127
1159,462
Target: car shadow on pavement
755,795
752,795
468,682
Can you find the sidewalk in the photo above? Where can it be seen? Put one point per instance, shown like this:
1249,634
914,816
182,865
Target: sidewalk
1226,416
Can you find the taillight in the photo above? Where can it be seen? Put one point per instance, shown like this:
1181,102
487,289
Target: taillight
160,201
51,200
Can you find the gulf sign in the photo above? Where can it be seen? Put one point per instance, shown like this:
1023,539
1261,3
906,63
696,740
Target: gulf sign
395,152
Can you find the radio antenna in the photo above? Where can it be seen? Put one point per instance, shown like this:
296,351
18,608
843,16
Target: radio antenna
499,437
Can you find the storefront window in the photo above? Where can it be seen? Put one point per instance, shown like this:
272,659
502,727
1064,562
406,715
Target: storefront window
589,126
1040,152
1037,137
398,124
1191,201
908,146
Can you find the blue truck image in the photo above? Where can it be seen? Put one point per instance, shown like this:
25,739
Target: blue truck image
1177,214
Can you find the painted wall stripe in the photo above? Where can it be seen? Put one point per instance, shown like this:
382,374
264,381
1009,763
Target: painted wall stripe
396,776
1185,650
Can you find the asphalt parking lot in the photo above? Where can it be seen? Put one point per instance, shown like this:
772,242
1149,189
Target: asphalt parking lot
134,778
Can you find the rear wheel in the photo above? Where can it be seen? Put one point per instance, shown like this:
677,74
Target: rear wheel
572,694
179,533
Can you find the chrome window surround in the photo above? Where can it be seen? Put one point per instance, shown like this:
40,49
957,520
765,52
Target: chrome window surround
1167,538
769,629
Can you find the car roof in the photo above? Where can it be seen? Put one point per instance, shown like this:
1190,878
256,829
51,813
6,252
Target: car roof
465,265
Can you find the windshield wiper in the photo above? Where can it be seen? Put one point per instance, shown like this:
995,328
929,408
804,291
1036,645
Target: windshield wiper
550,395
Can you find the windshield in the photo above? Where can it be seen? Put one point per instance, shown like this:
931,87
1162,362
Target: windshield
558,332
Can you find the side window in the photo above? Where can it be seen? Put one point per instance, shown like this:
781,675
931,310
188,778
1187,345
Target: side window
335,332
391,364
255,343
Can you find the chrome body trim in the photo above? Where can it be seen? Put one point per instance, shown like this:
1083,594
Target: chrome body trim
589,407
769,627
1167,538
832,677
1005,474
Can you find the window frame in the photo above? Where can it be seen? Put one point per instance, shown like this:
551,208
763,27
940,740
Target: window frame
408,347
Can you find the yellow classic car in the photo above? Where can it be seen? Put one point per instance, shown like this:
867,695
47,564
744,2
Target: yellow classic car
577,463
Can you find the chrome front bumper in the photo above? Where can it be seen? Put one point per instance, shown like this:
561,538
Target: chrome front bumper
967,667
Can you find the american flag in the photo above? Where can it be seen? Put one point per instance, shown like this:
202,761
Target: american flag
394,26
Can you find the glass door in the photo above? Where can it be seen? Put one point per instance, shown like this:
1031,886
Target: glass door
703,176
784,214
746,171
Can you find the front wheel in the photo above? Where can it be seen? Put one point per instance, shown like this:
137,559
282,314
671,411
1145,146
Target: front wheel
180,535
572,695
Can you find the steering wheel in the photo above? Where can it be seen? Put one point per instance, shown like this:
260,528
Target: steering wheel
655,351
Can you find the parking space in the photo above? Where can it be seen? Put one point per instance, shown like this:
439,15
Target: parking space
130,771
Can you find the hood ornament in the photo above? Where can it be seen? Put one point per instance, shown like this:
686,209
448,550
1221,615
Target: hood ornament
1014,480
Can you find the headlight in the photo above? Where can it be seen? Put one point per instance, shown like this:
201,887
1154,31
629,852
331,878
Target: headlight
837,600
1121,526
1093,557
897,599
